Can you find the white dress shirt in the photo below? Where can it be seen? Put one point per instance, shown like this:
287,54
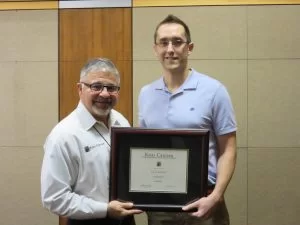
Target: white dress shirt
75,170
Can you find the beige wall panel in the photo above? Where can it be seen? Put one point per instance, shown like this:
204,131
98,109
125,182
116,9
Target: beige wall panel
9,35
144,72
30,96
7,111
233,74
273,186
273,103
29,35
274,31
20,189
236,193
218,32
143,26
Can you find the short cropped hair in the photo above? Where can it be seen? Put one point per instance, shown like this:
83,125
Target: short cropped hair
173,19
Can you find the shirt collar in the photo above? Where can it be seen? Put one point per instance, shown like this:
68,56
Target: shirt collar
85,117
189,83
113,121
87,120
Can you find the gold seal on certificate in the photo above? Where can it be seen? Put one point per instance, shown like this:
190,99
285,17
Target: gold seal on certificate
158,169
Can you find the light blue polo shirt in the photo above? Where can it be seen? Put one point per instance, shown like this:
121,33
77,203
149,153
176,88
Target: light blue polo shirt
201,102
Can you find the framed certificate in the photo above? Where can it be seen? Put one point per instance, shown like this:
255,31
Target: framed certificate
158,169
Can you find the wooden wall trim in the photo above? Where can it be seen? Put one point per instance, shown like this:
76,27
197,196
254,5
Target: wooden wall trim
143,3
90,33
28,5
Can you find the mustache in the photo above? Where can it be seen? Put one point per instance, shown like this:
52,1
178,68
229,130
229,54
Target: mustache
103,100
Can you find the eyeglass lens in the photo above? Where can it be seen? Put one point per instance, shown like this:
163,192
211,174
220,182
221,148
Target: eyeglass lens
98,87
174,42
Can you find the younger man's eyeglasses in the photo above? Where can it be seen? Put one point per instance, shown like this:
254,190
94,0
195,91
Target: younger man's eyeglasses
176,43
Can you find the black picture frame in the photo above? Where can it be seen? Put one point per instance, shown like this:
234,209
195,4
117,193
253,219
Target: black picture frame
123,139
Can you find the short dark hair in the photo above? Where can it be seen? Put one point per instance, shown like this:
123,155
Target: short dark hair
174,19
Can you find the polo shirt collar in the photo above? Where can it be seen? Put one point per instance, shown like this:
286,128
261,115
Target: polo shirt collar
188,84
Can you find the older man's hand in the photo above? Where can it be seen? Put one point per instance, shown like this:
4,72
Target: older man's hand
118,210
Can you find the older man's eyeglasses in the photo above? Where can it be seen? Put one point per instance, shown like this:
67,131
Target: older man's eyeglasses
176,43
98,87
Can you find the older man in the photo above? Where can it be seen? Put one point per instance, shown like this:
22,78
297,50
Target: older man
75,170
